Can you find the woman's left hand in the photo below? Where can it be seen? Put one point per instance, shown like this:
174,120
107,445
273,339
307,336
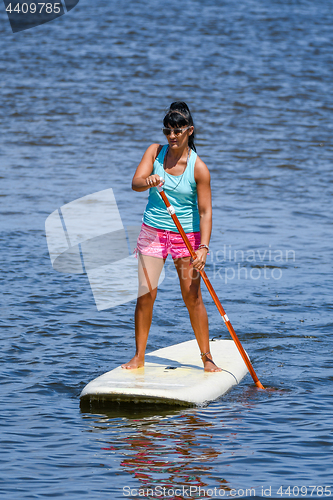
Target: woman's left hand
200,261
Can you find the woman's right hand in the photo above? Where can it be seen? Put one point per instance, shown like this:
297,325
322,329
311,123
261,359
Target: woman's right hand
144,178
153,180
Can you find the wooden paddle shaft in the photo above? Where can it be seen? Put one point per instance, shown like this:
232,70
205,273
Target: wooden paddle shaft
211,290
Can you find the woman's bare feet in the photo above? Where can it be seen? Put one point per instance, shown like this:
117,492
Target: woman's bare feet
135,363
209,365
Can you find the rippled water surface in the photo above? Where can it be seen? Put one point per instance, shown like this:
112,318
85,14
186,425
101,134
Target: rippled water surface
81,99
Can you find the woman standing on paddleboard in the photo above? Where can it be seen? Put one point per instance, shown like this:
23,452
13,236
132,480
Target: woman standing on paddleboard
187,186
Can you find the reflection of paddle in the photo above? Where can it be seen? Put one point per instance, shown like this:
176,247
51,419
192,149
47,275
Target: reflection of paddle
211,290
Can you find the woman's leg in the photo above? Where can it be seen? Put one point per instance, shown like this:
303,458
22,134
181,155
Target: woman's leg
149,272
189,279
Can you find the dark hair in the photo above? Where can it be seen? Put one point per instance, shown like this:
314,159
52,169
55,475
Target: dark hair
180,116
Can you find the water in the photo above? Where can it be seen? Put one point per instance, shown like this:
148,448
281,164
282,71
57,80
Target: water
81,99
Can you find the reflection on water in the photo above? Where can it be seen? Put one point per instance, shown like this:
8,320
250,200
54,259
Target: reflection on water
162,449
81,99
152,447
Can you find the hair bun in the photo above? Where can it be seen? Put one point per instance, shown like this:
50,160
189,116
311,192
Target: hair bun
179,106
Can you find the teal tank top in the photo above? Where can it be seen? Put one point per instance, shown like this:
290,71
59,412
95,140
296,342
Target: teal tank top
181,191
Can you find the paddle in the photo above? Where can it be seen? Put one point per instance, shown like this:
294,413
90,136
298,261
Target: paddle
211,290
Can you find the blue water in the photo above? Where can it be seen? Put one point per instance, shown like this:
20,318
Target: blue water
81,99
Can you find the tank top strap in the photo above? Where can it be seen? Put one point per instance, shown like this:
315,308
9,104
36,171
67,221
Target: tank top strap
160,157
158,167
189,173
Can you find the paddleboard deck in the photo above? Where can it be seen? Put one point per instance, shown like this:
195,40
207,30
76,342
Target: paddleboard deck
173,375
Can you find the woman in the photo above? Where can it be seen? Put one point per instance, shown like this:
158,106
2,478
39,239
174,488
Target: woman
187,185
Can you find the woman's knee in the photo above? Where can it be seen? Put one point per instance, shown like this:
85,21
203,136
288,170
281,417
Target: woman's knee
146,300
192,297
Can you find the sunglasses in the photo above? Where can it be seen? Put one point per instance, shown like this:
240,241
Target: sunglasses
176,131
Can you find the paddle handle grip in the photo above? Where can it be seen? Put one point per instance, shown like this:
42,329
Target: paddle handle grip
211,290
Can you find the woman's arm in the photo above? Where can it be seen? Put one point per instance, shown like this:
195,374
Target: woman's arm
202,178
142,178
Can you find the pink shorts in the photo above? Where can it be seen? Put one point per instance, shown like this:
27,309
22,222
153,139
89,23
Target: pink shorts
160,243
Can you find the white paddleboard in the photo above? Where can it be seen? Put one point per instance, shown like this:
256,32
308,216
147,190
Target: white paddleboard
172,375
